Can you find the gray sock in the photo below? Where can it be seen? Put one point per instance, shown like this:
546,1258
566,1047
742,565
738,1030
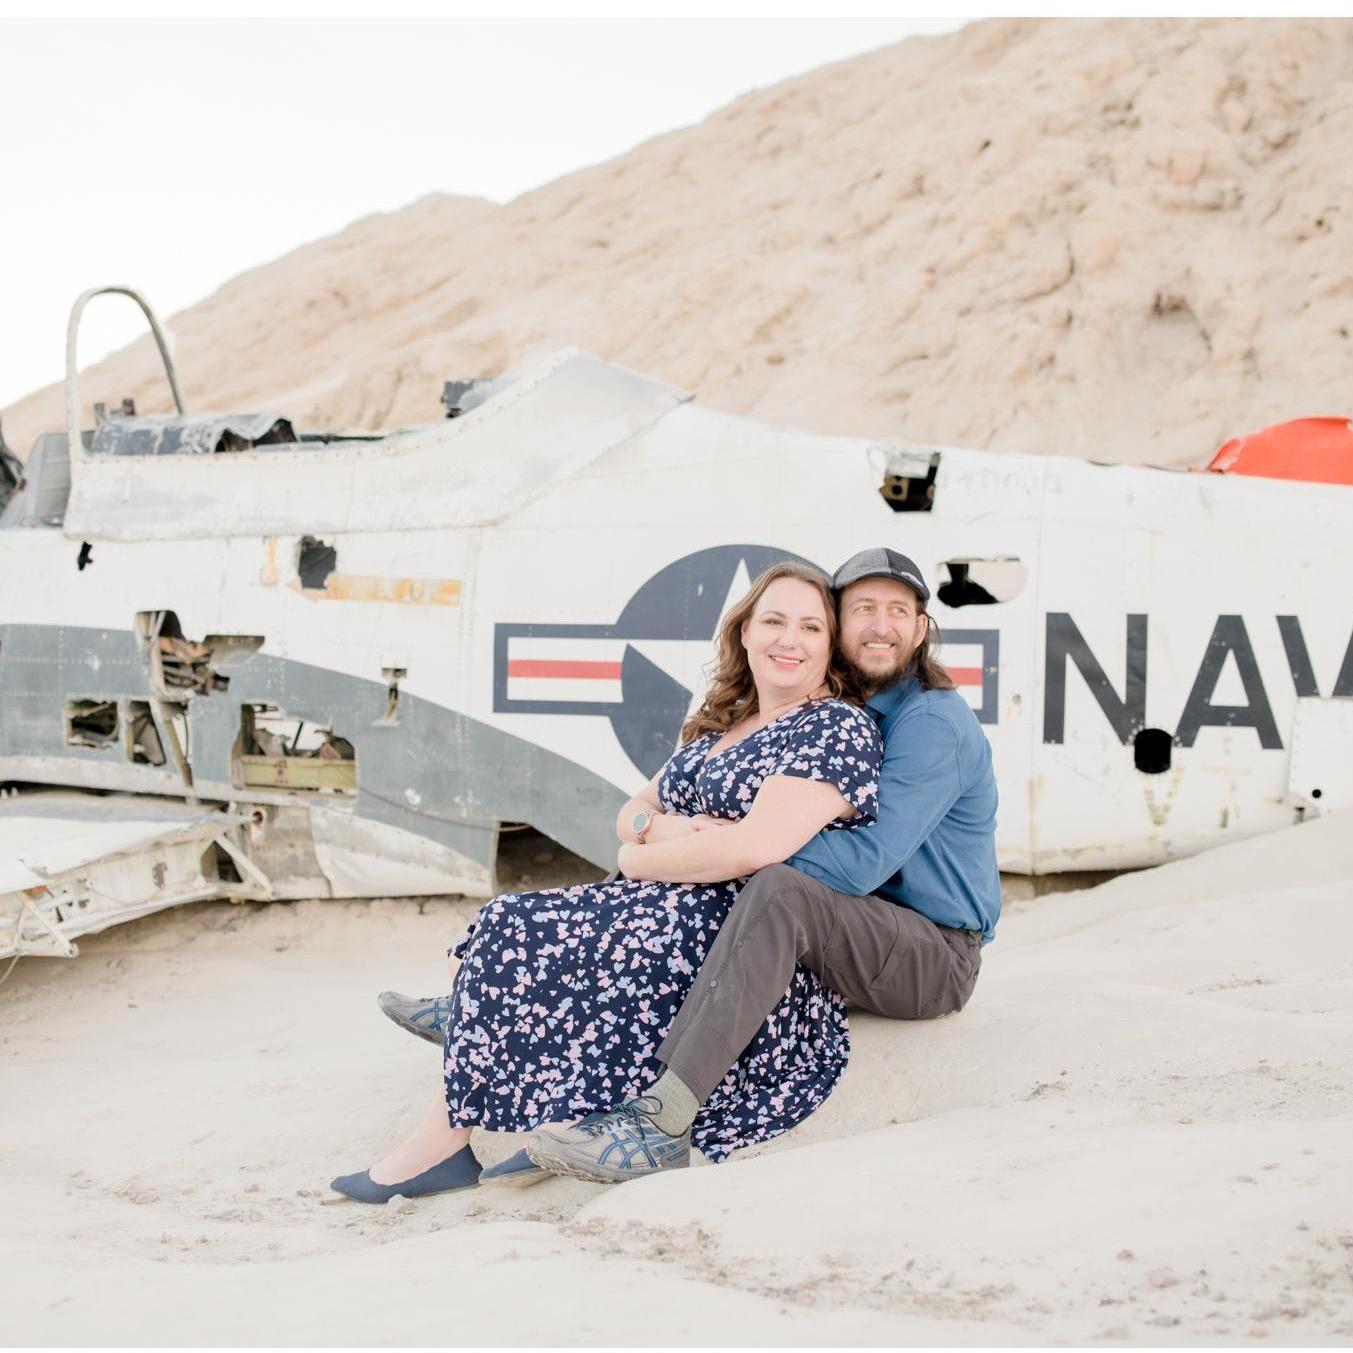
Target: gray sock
679,1105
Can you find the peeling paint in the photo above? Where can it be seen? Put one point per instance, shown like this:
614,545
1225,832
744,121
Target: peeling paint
267,575
399,591
1158,805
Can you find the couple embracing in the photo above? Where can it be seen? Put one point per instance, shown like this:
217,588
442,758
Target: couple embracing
824,834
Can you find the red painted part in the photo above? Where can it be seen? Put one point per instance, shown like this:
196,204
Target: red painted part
965,676
1318,450
544,667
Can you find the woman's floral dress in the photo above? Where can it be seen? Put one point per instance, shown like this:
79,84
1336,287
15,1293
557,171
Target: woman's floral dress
564,996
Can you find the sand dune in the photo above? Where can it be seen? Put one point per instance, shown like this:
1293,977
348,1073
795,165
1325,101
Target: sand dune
1124,240
1136,1131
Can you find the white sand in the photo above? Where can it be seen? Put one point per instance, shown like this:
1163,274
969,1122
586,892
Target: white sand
1138,1130
1122,240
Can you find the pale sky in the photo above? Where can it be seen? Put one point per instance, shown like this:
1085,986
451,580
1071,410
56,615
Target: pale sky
173,154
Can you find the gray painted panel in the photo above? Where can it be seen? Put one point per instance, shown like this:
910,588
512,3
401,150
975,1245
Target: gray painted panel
436,773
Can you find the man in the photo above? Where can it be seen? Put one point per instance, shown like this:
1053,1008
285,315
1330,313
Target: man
891,915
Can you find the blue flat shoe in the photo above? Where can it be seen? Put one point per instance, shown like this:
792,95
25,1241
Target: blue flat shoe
516,1171
519,1170
460,1171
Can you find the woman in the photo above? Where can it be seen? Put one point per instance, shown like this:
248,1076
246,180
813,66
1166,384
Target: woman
562,997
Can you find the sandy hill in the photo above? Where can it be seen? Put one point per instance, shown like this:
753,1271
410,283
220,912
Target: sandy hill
1128,240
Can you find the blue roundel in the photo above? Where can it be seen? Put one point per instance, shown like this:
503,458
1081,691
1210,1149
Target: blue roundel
667,628
682,601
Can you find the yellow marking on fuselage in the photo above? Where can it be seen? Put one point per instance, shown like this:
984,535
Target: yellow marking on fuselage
396,591
267,575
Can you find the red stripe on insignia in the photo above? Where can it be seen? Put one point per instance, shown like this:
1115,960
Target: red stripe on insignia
965,676
543,667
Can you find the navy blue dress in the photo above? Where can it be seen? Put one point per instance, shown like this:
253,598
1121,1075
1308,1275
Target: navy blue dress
564,996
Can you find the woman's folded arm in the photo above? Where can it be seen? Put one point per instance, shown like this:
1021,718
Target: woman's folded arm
646,800
788,812
665,826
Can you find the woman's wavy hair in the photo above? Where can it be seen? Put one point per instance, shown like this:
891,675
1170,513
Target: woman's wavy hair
732,692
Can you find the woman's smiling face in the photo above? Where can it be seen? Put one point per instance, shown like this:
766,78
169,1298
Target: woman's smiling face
788,641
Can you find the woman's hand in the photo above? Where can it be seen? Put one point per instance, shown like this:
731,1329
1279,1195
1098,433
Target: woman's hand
666,827
452,964
669,827
627,858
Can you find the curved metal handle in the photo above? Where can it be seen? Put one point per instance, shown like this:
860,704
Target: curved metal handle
72,371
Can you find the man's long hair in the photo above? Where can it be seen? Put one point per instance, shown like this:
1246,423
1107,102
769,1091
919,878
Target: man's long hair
929,671
732,691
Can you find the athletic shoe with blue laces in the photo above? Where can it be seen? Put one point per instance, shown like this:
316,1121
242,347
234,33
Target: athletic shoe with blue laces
623,1144
425,1016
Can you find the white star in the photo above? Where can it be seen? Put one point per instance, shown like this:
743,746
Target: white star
690,661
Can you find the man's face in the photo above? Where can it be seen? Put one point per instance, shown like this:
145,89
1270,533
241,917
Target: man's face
882,625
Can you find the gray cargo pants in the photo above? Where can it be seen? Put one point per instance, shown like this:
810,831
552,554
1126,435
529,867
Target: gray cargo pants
883,957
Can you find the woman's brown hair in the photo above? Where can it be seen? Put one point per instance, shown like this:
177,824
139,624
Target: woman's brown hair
732,692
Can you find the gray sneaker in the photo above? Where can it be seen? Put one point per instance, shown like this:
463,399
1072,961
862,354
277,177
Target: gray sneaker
623,1144
425,1016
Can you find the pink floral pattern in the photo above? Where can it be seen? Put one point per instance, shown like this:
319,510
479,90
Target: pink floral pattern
564,995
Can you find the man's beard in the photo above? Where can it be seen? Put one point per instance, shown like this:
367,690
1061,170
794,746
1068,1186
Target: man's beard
870,683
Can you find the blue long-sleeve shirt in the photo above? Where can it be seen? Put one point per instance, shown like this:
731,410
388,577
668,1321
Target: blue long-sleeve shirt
933,845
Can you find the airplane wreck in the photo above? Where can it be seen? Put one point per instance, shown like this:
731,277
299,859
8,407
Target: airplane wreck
244,659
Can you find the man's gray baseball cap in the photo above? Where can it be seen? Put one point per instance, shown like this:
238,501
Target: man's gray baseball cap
881,563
